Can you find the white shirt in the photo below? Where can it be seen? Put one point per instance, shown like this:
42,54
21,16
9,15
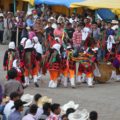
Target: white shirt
39,113
8,108
85,33
29,117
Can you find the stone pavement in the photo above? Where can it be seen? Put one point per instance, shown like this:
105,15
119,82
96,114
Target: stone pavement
104,98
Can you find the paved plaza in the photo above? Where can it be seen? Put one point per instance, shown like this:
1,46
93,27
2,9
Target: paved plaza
104,98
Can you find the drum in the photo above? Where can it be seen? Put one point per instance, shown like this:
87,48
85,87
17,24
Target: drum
105,71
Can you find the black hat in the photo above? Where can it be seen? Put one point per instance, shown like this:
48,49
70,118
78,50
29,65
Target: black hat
12,73
18,104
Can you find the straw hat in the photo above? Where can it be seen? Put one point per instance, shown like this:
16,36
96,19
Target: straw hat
70,104
44,100
115,27
51,18
79,115
61,19
9,13
28,28
28,99
114,22
6,99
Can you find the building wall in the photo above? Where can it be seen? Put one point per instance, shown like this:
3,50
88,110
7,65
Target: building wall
7,5
66,11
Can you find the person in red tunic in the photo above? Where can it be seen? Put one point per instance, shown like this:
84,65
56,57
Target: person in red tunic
30,63
68,67
72,69
54,65
9,56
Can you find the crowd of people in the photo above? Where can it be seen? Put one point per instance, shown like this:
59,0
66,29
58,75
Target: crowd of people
53,42
15,105
38,107
68,47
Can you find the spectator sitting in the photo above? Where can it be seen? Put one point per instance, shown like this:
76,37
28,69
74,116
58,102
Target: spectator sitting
30,116
64,117
46,111
29,101
93,115
7,110
16,115
12,85
3,103
37,97
39,110
55,108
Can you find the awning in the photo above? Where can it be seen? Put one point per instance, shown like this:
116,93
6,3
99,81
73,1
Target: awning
29,1
111,4
66,3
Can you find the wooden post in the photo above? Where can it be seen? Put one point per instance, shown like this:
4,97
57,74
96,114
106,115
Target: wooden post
77,67
17,35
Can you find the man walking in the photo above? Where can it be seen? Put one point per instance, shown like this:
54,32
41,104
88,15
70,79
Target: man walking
7,28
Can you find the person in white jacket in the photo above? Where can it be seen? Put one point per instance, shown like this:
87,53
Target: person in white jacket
110,42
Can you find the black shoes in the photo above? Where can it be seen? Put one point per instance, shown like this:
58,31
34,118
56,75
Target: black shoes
36,85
